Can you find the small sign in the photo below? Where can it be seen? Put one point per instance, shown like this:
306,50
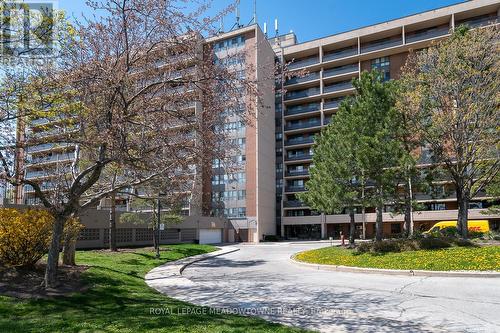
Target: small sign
162,226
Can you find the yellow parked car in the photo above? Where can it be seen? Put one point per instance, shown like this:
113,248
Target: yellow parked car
472,225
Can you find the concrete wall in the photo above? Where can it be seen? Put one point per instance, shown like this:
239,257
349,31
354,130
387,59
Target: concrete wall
96,231
266,156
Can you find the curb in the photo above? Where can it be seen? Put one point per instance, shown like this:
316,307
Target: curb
349,269
229,249
174,269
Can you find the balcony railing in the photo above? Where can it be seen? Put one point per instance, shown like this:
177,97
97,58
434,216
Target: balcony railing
479,21
53,132
292,173
298,141
298,157
338,54
295,189
293,203
303,62
302,93
380,44
43,187
302,108
426,34
45,159
341,70
36,174
290,127
46,146
40,121
338,86
305,78
332,104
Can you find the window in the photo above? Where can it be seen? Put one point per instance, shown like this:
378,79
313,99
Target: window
229,43
437,206
476,205
395,228
383,65
235,212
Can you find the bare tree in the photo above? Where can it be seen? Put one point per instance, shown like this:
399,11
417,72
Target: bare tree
136,89
451,96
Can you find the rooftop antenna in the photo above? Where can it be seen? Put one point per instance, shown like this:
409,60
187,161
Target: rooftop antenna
276,27
265,28
254,11
238,14
237,25
221,28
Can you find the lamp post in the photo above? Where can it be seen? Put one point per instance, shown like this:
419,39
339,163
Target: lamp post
156,231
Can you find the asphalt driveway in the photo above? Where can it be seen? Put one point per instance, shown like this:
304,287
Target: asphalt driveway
260,280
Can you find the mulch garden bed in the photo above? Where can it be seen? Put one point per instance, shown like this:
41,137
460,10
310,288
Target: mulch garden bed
27,283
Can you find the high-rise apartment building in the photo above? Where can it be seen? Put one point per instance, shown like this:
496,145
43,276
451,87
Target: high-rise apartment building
246,196
258,196
311,101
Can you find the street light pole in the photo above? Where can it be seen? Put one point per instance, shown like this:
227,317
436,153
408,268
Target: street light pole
157,229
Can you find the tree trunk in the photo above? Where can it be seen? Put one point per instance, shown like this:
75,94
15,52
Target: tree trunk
112,224
53,255
69,250
463,212
378,223
352,229
407,224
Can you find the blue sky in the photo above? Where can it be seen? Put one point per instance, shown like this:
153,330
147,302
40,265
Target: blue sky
309,19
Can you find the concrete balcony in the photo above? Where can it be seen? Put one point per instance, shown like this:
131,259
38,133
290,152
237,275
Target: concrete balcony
293,189
340,70
298,157
303,79
293,204
50,159
339,54
420,35
302,93
381,44
339,86
294,173
477,22
37,174
300,63
304,125
295,141
332,104
298,109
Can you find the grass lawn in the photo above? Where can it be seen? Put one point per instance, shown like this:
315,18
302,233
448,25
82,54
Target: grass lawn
456,258
119,301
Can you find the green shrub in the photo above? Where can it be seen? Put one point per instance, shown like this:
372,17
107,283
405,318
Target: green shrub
449,232
24,236
476,234
409,245
386,246
364,247
432,243
271,238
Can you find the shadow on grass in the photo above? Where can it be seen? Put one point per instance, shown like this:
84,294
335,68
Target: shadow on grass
119,301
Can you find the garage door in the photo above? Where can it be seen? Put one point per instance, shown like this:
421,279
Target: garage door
210,236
